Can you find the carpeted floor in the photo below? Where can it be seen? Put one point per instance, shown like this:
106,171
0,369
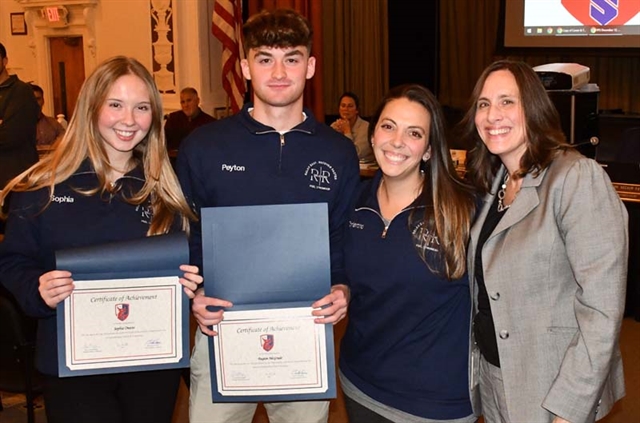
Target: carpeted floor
625,411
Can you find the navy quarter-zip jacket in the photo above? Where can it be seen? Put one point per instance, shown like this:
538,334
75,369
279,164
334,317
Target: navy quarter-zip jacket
407,338
71,220
238,161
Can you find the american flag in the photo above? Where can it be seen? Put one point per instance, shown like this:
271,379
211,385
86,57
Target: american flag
227,27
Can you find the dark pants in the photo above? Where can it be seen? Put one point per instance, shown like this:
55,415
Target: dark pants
360,414
137,397
633,276
5,209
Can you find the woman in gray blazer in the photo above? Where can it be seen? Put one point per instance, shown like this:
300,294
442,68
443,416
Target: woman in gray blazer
547,261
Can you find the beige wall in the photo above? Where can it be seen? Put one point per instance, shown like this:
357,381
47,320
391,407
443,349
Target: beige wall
119,27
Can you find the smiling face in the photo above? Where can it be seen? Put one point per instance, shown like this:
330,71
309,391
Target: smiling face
125,118
278,75
401,139
500,119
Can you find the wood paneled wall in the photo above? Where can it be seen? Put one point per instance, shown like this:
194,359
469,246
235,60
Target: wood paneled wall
469,42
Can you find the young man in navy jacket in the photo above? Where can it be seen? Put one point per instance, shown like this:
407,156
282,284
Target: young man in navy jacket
272,152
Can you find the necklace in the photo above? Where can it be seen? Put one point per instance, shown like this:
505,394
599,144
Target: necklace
501,194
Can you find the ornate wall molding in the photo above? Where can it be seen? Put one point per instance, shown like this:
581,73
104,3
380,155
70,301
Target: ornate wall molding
79,21
163,57
52,3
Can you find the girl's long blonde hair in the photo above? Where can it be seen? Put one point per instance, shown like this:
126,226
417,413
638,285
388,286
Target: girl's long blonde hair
82,140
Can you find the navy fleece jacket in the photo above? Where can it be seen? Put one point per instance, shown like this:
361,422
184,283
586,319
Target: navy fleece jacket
71,220
407,339
238,161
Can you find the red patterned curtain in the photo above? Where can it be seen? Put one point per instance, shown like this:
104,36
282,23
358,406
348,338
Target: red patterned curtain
312,10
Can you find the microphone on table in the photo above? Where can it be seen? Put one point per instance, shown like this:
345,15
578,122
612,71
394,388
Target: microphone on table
594,141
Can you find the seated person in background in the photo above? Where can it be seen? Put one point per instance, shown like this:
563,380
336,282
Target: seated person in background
180,123
49,129
352,126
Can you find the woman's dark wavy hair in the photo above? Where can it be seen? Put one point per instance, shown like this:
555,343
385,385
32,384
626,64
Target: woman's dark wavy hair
449,201
543,133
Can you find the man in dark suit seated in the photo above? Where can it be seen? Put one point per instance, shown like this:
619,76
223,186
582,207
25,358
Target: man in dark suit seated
180,123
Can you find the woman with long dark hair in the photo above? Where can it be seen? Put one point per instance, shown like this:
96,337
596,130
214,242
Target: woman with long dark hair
404,354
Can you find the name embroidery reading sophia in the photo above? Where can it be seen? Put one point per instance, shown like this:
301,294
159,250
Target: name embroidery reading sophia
62,199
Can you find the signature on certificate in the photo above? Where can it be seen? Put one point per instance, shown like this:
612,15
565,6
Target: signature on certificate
153,343
298,374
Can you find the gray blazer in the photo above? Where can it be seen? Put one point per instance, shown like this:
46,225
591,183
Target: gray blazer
555,269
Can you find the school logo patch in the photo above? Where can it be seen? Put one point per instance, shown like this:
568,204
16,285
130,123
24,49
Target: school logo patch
122,311
321,175
426,238
146,213
267,342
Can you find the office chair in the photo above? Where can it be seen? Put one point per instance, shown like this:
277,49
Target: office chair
17,352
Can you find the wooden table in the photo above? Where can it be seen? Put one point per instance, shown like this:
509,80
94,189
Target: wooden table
368,171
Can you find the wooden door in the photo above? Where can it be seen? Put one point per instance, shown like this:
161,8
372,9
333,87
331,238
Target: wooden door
67,72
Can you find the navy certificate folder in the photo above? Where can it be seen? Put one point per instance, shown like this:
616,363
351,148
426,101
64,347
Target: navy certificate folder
155,256
263,257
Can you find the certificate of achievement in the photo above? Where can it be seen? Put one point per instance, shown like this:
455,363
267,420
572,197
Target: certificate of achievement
128,311
270,352
272,262
123,322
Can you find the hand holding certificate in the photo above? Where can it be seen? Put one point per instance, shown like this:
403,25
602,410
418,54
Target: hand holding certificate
272,263
122,322
274,352
127,311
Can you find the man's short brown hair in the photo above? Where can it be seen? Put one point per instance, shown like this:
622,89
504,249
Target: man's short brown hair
280,28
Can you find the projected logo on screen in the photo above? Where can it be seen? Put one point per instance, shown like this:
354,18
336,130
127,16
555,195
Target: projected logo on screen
602,12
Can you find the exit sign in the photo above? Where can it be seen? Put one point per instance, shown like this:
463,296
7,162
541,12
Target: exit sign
52,14
56,16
